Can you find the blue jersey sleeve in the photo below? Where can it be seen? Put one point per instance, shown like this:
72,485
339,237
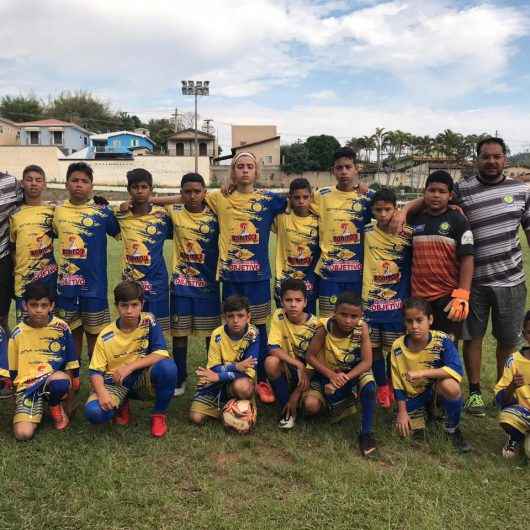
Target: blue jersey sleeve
69,348
169,228
4,361
113,228
227,372
156,338
450,359
279,204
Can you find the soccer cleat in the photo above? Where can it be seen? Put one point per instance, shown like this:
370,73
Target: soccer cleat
123,415
474,405
6,388
384,396
265,393
511,449
179,390
458,440
59,417
76,384
287,422
158,425
367,444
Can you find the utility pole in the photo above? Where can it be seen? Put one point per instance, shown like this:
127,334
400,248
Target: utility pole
207,124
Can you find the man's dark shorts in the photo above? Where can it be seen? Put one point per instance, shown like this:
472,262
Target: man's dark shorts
6,285
507,305
440,320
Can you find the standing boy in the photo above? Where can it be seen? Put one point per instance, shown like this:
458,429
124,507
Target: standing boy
40,361
31,236
343,211
341,354
442,256
131,361
144,229
195,304
82,226
386,285
297,243
291,331
232,356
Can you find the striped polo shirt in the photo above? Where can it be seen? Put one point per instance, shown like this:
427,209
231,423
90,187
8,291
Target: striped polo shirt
495,212
10,197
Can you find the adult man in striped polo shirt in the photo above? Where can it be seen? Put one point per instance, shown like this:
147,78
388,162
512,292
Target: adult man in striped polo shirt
496,206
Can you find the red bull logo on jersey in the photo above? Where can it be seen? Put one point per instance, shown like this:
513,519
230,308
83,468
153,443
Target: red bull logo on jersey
246,234
74,248
346,234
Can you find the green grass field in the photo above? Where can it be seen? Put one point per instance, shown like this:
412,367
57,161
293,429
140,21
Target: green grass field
202,478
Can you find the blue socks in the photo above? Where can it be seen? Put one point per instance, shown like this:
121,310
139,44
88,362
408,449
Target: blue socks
281,390
263,349
453,409
367,398
58,388
379,369
180,357
164,378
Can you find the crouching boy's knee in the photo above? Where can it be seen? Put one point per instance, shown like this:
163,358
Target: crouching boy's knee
95,414
243,388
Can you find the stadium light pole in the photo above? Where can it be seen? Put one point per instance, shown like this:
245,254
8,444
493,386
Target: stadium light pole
196,88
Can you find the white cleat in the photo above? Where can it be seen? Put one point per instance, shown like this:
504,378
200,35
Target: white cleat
179,390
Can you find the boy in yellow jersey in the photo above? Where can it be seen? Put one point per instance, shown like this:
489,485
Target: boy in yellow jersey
131,360
144,229
426,363
230,372
40,360
343,211
195,304
291,331
512,394
82,227
341,354
31,236
297,243
386,285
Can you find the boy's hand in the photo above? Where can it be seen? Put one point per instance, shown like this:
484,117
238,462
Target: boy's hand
100,201
206,376
338,379
363,188
126,206
397,222
228,188
245,364
330,389
403,425
303,379
105,400
518,380
414,376
121,373
292,405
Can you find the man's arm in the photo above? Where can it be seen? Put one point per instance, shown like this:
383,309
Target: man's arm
467,267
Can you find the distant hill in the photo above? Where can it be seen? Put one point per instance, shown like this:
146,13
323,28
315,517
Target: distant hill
520,159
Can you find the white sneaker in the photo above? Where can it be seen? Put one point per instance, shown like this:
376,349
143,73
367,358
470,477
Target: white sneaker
179,390
287,422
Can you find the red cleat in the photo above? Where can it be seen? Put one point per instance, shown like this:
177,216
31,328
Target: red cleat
385,396
123,416
158,425
265,393
59,417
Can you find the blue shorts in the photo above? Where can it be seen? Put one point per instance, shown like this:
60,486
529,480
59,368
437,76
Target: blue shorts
383,335
90,313
259,298
328,290
198,316
159,307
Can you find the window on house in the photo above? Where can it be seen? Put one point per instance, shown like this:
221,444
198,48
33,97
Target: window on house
135,142
1,130
179,149
34,137
267,160
57,137
85,140
203,149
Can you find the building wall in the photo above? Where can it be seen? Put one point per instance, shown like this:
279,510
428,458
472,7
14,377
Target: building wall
189,147
14,158
267,153
8,133
73,139
246,134
123,142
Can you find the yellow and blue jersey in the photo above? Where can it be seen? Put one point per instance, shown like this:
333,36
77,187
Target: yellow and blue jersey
440,352
34,353
114,348
516,363
297,248
343,216
245,221
386,274
82,248
225,351
293,339
341,353
195,252
143,239
31,233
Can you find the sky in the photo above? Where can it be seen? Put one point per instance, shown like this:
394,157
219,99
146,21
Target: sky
309,67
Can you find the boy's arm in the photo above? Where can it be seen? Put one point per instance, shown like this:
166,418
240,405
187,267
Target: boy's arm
315,347
113,227
400,216
166,199
12,359
104,396
276,351
70,358
143,362
366,355
451,365
507,385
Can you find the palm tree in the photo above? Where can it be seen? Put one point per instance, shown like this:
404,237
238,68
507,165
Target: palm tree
451,143
379,138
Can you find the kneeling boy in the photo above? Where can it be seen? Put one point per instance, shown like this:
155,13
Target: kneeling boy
512,394
426,363
232,357
131,360
341,354
39,357
292,329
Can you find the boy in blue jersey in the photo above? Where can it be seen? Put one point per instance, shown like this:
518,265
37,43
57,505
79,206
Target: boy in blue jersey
386,285
425,364
195,303
229,372
144,229
40,360
130,360
82,227
343,212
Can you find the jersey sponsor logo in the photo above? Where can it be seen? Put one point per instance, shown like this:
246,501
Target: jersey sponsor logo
218,339
418,229
390,305
107,336
302,258
246,234
508,199
343,266
192,252
44,246
347,234
467,238
72,280
146,286
74,248
244,266
388,273
45,271
444,228
324,191
186,281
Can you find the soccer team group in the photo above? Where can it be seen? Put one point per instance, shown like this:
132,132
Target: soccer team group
392,286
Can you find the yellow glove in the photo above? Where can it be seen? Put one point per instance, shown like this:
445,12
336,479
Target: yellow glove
458,308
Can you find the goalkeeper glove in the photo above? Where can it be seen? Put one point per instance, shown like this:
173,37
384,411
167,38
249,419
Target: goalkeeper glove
458,307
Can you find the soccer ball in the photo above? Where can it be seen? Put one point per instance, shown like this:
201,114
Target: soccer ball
239,415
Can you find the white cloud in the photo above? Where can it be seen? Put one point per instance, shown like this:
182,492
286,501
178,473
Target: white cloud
323,95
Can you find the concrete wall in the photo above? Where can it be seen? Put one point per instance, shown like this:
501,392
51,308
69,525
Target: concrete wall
14,158
246,134
8,133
